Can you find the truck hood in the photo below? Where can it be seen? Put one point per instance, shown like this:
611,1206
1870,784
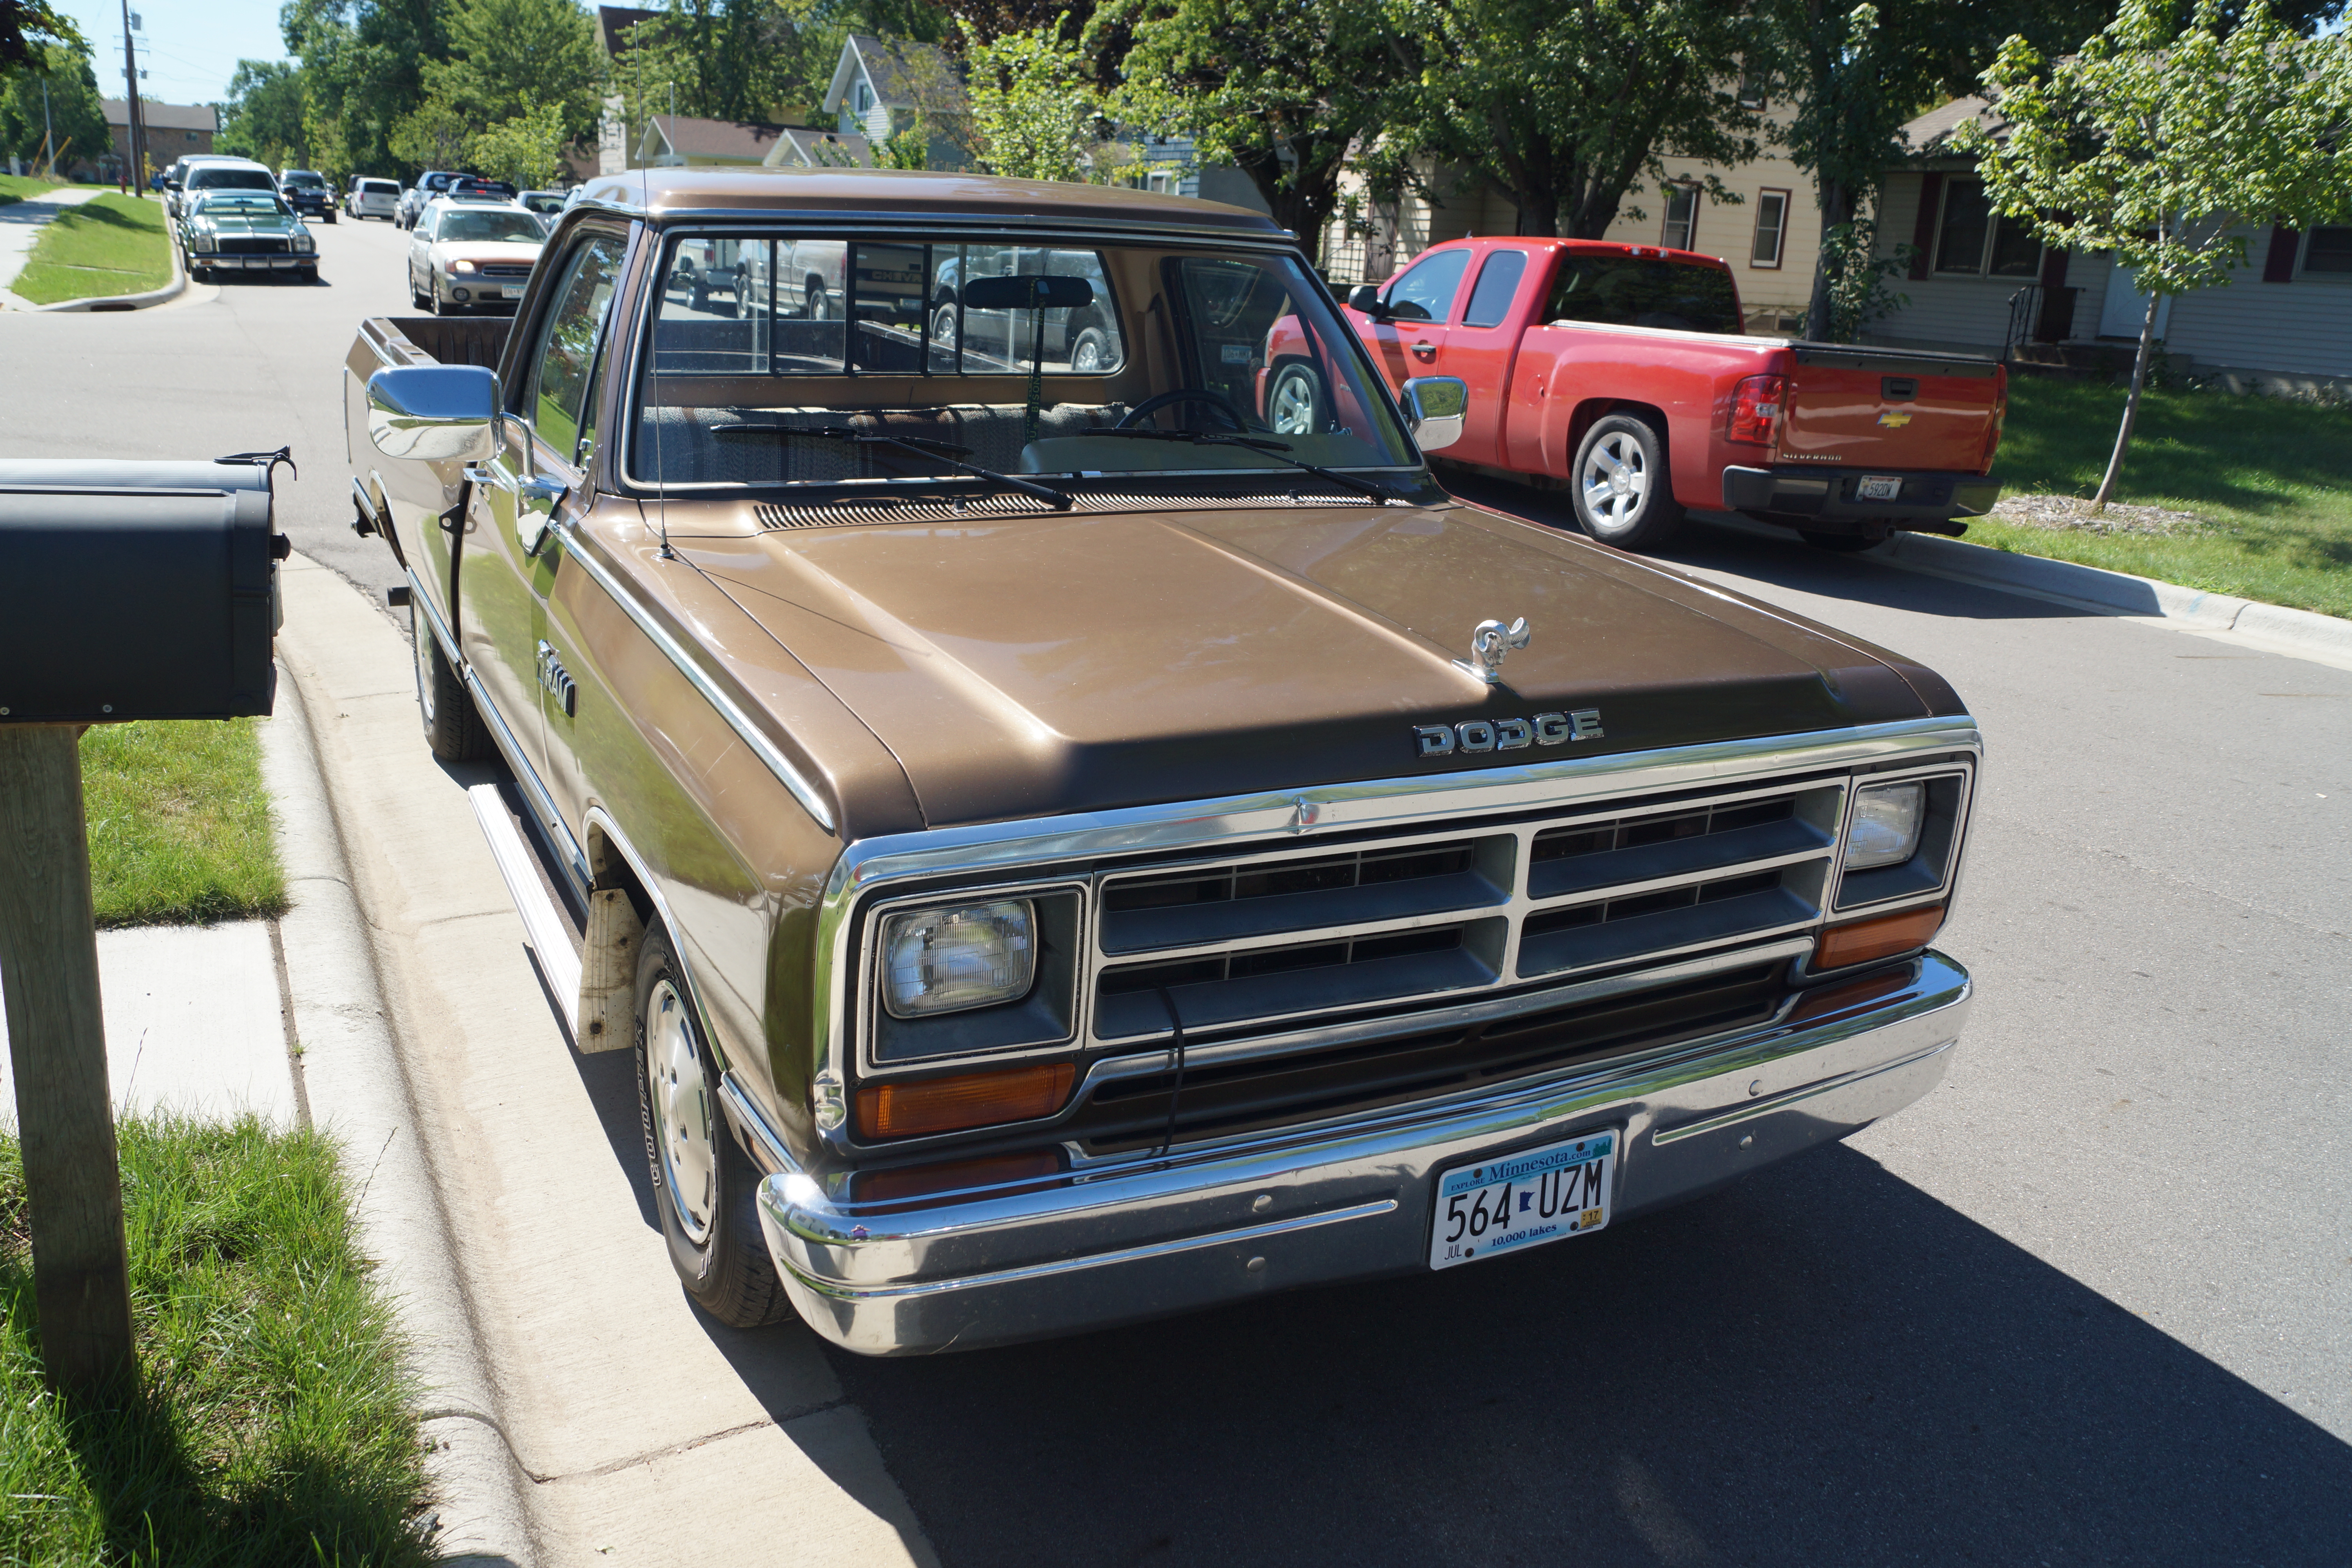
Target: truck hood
1038,666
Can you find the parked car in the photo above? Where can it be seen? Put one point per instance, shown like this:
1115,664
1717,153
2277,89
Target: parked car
473,187
1084,339
175,177
430,183
243,230
373,198
308,193
1623,370
1062,853
467,255
547,204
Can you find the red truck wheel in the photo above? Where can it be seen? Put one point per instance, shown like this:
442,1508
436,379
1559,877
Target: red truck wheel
1622,494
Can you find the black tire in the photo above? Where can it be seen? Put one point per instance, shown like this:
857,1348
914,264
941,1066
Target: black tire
943,329
453,726
1295,401
1090,352
816,305
713,1230
1644,514
1840,544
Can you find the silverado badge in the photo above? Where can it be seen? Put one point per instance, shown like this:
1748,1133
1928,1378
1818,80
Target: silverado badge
1490,642
1507,734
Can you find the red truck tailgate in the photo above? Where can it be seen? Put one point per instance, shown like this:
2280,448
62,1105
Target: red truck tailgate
1884,408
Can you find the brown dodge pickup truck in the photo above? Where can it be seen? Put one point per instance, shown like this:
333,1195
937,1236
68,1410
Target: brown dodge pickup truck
1062,852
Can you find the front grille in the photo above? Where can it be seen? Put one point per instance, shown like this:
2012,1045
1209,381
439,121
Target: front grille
254,245
513,271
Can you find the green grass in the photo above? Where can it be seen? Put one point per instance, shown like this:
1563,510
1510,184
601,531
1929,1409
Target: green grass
272,1426
2269,482
109,245
179,823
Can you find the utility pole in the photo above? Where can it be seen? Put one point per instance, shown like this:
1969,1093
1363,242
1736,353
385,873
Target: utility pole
48,137
133,126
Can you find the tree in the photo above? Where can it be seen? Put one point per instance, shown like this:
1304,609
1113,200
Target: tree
510,58
2159,142
526,150
1282,89
434,136
1035,113
363,64
1565,104
263,118
28,28
53,102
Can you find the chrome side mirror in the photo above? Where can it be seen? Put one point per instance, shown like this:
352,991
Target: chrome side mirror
1434,409
434,413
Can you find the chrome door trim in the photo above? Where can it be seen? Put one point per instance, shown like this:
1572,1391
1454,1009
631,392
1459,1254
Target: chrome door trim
441,634
700,679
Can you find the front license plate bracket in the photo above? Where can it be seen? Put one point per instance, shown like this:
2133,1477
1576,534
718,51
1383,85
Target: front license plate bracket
1517,1201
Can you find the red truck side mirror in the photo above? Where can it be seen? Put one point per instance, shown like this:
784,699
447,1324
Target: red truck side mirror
1366,298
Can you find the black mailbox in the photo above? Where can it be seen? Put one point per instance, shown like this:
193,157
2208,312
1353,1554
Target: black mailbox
137,589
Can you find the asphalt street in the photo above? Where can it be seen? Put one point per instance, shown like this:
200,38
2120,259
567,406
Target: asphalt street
2090,1302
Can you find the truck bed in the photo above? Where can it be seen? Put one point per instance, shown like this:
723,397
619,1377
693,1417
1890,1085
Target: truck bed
448,339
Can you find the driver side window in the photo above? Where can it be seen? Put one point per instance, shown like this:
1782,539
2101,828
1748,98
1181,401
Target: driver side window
561,398
1426,293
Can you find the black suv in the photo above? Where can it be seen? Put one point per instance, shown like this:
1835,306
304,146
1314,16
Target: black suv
307,192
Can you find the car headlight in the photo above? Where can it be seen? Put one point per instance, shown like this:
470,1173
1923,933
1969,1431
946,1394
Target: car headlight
461,267
304,242
956,957
204,242
1886,822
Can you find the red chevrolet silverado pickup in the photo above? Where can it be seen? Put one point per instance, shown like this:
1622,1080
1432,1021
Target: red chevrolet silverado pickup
1625,371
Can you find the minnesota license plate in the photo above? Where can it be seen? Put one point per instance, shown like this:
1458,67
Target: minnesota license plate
1524,1200
512,291
1880,487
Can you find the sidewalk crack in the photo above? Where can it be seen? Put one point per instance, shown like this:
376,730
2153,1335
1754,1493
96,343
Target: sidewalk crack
650,1454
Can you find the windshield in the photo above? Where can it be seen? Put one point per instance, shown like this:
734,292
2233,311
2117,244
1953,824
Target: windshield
1635,291
302,178
204,178
241,203
780,360
512,228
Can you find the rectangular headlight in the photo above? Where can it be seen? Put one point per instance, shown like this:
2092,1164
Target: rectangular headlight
1886,822
957,957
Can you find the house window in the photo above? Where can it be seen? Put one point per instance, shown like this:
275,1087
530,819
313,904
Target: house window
1771,221
864,98
2329,250
1973,240
1751,92
1682,216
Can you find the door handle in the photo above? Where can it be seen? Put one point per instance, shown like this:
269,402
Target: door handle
1426,348
536,499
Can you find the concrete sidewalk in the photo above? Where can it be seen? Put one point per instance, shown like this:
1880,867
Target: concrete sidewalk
648,1432
21,223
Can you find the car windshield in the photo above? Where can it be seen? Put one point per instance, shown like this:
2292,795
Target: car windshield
512,228
790,360
240,204
303,178
1638,291
211,179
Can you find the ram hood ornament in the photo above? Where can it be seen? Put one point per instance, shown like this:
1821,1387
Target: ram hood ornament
1489,644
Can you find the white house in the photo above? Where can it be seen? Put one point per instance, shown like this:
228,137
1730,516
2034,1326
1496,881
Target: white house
1979,282
880,85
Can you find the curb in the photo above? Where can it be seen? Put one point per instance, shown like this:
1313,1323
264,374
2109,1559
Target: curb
358,1092
140,301
2301,633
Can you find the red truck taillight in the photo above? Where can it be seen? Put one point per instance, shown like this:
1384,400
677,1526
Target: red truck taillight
1756,409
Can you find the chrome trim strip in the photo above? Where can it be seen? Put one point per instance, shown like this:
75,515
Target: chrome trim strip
700,679
1094,1261
747,1112
1771,1103
441,633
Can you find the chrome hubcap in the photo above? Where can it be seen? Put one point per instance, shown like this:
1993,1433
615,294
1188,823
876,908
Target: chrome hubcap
1293,405
1089,356
1615,480
681,1113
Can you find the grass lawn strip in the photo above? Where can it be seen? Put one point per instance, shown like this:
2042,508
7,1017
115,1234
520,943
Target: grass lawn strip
273,1424
109,245
179,823
2249,496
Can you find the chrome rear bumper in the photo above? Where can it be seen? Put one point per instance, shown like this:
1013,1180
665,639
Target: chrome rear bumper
1102,1245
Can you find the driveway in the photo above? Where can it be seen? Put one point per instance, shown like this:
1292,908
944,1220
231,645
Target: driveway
2090,1302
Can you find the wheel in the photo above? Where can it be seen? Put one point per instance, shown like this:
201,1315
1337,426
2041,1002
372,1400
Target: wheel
816,305
1091,354
705,1190
943,329
1622,494
331,219
697,297
1840,544
453,727
417,300
308,274
1295,404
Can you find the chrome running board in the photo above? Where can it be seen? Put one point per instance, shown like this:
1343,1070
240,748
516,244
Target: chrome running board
543,924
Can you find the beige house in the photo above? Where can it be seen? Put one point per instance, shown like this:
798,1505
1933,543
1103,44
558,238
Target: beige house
1769,236
174,131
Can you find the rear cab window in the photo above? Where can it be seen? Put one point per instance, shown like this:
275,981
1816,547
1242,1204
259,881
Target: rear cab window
1623,290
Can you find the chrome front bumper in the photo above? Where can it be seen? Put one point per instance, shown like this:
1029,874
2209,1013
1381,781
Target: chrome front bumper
1108,1245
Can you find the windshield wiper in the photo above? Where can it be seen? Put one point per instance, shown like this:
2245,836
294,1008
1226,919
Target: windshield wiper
919,446
1278,450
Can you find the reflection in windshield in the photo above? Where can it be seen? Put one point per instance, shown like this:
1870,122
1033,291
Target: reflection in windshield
489,229
756,337
231,180
246,202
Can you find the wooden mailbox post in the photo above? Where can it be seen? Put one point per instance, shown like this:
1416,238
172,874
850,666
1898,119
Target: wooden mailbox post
127,590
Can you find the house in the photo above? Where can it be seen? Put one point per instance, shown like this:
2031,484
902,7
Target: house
1769,236
880,86
1979,282
687,141
810,147
173,130
613,26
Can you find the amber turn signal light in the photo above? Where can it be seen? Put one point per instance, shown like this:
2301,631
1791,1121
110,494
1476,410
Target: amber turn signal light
1882,936
965,1100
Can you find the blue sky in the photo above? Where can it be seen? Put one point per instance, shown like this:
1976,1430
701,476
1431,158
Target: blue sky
191,47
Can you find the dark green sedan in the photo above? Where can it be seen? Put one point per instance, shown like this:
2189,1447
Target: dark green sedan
246,231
